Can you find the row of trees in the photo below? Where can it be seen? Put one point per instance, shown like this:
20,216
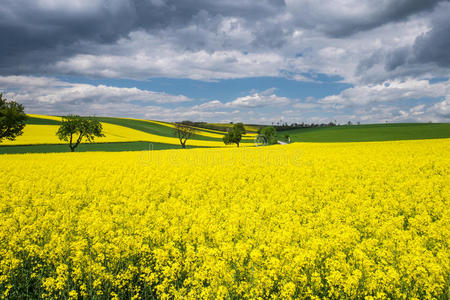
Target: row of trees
266,135
280,126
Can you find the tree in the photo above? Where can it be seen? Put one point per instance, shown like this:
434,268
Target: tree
184,132
234,134
74,129
240,127
268,135
12,119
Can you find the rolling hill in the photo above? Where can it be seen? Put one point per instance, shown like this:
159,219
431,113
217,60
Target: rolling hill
121,134
370,133
125,134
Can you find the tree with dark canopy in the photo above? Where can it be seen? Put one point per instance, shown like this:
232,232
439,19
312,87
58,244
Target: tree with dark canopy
74,129
268,135
184,132
12,119
234,134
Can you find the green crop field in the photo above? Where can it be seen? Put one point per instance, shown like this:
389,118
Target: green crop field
87,147
368,133
40,121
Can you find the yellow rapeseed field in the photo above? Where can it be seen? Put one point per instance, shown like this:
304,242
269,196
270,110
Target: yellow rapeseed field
355,220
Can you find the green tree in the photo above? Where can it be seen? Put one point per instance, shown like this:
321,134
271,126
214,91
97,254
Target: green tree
234,134
184,131
12,119
268,135
74,129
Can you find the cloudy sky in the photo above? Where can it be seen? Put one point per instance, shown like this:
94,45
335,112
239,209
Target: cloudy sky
230,60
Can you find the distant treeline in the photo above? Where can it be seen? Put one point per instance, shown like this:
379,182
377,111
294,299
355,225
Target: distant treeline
279,126
286,126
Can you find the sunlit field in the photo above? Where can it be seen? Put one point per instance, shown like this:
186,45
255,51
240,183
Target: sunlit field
120,131
340,220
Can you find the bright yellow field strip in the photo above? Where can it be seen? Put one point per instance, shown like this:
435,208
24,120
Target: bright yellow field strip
55,118
46,134
36,134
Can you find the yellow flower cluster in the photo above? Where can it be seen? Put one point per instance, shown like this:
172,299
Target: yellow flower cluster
355,220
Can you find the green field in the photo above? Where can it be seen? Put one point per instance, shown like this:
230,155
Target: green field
107,147
40,121
369,133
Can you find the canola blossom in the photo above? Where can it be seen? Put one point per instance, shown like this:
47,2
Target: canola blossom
311,221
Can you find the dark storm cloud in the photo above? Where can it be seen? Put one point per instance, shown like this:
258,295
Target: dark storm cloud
427,54
434,46
36,33
396,58
369,62
344,18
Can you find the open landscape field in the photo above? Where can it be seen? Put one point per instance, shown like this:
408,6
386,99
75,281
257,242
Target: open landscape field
121,134
308,220
161,149
124,134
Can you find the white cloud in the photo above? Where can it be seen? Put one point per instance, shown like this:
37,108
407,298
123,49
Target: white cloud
53,96
379,103
254,100
388,92
442,109
142,55
45,90
266,98
305,105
